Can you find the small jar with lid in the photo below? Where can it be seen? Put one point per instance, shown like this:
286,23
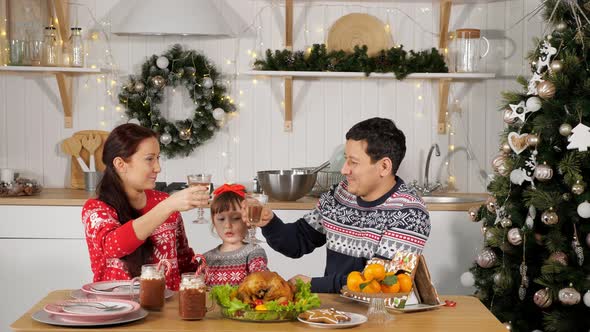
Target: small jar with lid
192,297
76,47
50,47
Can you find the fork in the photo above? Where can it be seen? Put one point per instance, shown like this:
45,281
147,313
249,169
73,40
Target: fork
96,305
109,289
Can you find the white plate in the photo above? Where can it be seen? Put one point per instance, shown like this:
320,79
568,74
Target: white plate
85,310
47,318
355,319
93,290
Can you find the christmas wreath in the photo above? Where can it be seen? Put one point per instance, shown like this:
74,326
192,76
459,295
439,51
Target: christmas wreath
142,94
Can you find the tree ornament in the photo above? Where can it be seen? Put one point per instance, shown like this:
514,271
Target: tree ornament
139,87
506,222
502,280
588,240
539,239
533,140
543,172
514,236
578,188
584,210
158,81
566,196
533,104
561,26
565,129
486,258
165,138
519,111
467,279
218,114
491,204
517,142
184,134
580,138
508,118
162,62
542,298
587,298
556,66
546,90
559,257
549,217
569,296
530,218
577,247
506,148
473,213
499,165
507,325
207,82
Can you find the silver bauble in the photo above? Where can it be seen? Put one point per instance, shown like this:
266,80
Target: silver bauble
584,210
506,148
158,81
565,129
207,82
578,188
139,87
165,138
162,62
473,213
556,66
566,196
218,114
532,140
514,236
561,26
542,298
559,257
508,119
506,222
586,298
546,89
543,172
569,296
499,165
184,134
549,217
502,280
486,258
491,204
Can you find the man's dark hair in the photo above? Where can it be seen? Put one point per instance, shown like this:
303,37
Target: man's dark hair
383,139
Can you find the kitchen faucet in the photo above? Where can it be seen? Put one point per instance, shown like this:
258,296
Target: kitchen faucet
428,188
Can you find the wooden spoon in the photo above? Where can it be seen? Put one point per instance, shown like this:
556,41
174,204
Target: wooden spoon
72,147
91,143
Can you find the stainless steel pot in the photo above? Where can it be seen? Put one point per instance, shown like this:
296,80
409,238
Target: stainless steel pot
286,185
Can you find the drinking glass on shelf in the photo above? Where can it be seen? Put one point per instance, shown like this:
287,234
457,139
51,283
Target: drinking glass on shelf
200,180
254,205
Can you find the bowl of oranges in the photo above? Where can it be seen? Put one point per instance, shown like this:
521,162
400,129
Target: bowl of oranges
375,282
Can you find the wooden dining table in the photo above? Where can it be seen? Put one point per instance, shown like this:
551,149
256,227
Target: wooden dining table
469,314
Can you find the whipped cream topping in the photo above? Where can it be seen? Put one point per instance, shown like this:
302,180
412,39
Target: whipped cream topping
152,273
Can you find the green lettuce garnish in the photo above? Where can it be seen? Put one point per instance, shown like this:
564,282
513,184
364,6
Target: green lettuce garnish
304,300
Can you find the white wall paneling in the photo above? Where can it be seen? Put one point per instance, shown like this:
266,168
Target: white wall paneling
31,117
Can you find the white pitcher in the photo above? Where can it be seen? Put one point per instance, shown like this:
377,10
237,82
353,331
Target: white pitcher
468,49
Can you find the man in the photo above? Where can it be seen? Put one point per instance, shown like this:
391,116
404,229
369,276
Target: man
371,214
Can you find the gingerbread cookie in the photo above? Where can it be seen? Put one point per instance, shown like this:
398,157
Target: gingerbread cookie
327,316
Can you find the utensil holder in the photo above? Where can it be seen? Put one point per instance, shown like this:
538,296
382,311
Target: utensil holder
91,180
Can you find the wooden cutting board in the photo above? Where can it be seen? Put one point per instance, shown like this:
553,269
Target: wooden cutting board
76,173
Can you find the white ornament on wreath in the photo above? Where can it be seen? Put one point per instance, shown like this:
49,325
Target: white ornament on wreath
584,210
207,82
218,114
162,62
580,138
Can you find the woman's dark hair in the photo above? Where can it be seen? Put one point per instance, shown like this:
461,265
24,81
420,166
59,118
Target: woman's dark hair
123,142
383,139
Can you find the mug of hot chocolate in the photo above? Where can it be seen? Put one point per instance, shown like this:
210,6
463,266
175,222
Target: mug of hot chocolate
152,284
192,299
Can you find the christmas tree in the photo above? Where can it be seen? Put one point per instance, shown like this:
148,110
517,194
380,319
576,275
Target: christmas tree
531,272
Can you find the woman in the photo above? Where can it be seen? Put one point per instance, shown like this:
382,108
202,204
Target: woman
130,224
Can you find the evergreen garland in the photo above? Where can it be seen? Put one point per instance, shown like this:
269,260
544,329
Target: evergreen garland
395,60
142,94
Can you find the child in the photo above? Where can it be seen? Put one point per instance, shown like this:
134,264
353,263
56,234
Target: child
232,260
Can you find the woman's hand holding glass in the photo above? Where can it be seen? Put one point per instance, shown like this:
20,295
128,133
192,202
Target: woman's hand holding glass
189,198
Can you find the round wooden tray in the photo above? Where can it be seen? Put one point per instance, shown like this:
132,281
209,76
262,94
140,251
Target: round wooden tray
359,29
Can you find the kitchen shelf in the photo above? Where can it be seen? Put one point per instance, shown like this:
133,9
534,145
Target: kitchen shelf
444,79
50,70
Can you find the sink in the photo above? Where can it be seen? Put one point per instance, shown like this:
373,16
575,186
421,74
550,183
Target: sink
449,199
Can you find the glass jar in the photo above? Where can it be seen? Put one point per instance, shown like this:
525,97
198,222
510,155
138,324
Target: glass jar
76,48
50,46
152,285
468,50
192,297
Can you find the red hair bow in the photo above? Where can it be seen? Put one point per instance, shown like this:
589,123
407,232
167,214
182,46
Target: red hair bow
234,188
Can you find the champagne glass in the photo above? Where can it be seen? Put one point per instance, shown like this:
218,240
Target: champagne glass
254,205
203,180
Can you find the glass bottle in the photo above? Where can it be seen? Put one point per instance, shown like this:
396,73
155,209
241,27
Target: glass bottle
76,47
50,55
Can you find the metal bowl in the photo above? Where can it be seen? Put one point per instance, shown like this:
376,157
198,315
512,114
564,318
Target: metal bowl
286,185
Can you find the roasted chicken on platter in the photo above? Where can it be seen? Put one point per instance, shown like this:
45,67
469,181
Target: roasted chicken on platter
265,286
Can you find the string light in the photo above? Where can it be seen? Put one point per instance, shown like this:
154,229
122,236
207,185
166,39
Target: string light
254,81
